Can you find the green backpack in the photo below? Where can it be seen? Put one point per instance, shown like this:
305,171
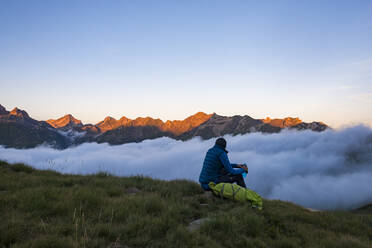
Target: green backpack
237,193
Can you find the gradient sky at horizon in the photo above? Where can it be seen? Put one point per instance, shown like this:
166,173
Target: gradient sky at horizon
171,59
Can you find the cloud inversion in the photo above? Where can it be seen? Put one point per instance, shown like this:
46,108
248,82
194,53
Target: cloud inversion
327,170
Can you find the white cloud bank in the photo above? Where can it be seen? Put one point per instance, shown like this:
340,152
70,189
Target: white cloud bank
328,170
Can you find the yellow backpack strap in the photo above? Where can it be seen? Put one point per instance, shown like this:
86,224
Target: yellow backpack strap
234,192
221,192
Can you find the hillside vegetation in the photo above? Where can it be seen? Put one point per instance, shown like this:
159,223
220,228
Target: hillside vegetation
47,209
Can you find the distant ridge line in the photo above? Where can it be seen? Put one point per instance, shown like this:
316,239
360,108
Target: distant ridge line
67,130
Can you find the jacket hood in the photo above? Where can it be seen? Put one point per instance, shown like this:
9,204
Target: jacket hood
221,147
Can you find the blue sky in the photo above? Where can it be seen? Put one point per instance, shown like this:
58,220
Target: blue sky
170,59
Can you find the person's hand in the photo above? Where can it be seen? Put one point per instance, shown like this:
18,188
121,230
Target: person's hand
244,167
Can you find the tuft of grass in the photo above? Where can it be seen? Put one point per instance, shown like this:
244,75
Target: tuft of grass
19,167
47,209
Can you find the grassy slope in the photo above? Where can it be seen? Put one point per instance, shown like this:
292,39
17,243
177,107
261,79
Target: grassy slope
47,209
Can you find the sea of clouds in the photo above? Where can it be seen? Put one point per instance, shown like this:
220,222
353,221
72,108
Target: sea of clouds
327,170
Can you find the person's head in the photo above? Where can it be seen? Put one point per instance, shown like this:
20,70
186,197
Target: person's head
221,142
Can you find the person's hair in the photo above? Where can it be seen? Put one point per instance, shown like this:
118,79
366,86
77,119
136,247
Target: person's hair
221,142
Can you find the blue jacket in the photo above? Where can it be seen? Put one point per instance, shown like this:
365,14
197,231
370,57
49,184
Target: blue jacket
216,159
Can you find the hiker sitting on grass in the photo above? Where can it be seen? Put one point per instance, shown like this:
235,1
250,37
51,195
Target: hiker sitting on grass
217,168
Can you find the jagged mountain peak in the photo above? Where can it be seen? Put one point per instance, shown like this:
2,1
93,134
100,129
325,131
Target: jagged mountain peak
124,120
109,118
65,121
71,118
18,116
147,121
108,123
19,112
3,110
282,123
16,109
198,116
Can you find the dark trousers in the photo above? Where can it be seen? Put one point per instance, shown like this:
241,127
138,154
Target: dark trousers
229,178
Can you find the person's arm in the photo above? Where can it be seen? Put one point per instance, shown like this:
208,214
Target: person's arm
243,166
226,163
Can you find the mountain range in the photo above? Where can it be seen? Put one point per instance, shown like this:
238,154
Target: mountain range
19,130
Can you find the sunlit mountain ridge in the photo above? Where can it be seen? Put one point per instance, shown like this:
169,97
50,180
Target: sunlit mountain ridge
18,129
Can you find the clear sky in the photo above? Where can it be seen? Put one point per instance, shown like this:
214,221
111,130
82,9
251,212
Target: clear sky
171,59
